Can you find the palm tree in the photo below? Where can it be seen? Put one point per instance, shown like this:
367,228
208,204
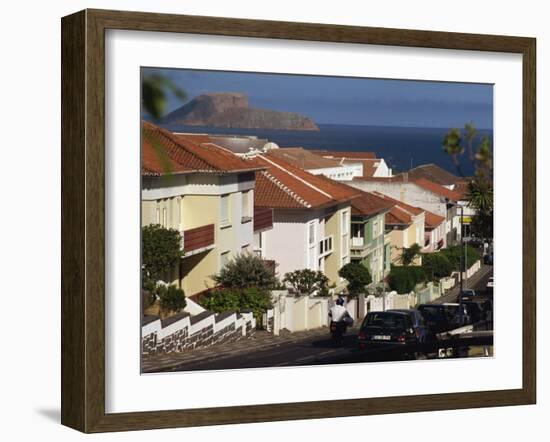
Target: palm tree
452,145
480,195
154,91
470,133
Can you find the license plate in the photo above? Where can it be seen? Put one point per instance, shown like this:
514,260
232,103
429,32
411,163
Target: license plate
381,337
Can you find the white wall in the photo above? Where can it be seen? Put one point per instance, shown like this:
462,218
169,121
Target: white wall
34,82
286,241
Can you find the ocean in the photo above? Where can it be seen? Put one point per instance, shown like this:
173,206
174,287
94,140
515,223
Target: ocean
401,147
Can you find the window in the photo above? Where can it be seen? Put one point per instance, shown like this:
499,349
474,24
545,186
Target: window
375,229
311,233
246,204
345,223
164,217
224,259
158,216
225,212
244,248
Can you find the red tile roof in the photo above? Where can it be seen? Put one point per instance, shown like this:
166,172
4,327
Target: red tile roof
303,158
166,153
283,185
431,220
367,203
437,189
461,188
434,173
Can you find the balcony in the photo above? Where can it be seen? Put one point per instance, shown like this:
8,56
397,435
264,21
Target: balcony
263,219
197,240
358,242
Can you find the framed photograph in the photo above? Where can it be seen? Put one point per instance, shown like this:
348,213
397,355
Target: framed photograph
267,221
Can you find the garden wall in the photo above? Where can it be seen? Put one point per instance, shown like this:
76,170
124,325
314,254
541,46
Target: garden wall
185,332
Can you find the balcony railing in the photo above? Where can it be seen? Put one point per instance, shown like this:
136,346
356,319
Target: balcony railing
263,219
357,242
197,240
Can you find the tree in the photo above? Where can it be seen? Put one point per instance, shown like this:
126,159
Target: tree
403,279
408,254
436,265
306,281
171,298
160,252
357,276
479,193
154,92
470,133
246,270
451,145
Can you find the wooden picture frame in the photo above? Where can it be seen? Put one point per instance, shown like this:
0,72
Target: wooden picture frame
83,220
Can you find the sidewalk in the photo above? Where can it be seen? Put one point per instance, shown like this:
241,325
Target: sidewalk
261,340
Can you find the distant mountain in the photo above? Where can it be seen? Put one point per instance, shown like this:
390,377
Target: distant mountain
226,109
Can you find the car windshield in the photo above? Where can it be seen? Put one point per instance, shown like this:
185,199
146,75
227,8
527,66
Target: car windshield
438,313
384,320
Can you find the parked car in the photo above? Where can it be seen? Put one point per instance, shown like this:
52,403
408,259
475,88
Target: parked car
466,295
469,312
419,326
439,317
490,286
387,328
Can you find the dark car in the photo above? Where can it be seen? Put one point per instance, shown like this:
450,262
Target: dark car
421,330
439,318
466,295
386,329
471,312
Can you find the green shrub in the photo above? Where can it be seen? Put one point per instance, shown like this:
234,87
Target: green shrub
307,281
403,279
160,252
246,270
257,300
436,265
221,300
357,276
171,298
454,253
231,299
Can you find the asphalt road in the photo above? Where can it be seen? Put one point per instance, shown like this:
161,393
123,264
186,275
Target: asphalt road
315,351
304,352
478,282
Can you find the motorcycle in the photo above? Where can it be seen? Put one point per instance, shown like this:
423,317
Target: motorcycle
338,330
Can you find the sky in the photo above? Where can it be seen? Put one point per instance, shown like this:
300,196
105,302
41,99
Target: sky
343,100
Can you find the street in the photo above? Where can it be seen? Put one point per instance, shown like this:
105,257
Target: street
477,282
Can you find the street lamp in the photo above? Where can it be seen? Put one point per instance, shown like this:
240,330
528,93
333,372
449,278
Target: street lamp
462,246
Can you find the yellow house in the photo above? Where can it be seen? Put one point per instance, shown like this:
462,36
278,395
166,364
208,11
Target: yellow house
405,225
203,191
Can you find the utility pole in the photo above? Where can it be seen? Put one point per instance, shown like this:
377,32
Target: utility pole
462,254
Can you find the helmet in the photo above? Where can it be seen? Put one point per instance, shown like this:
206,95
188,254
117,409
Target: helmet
340,301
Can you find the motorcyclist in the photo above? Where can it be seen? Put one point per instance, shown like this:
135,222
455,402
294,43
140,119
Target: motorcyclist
339,319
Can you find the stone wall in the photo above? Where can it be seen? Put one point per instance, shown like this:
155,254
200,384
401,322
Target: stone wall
183,332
